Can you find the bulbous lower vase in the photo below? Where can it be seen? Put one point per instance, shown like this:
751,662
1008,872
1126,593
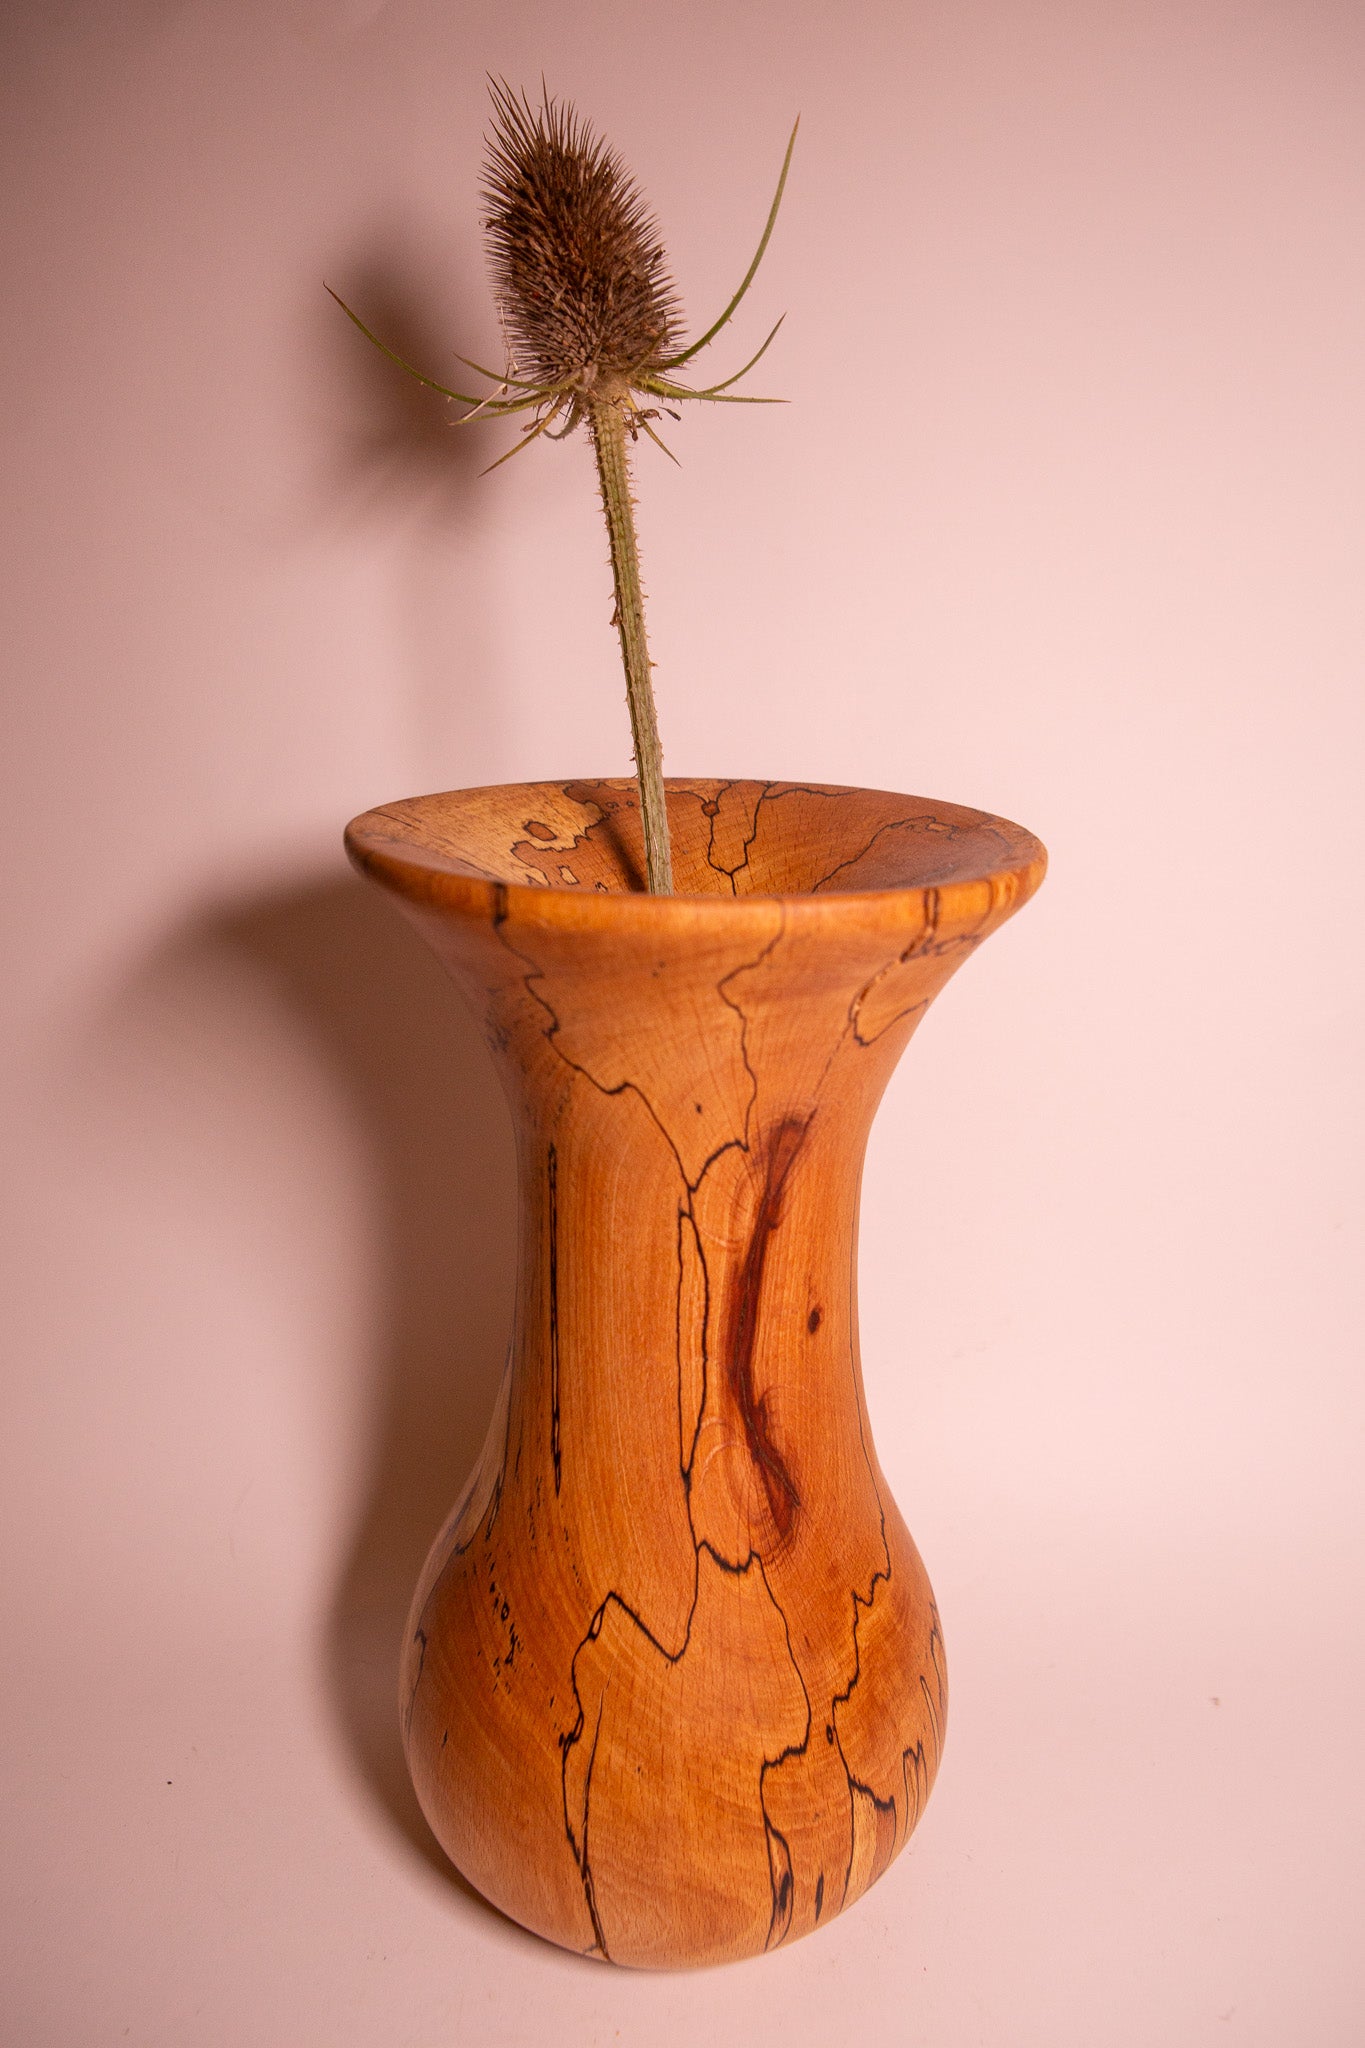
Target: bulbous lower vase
673,1688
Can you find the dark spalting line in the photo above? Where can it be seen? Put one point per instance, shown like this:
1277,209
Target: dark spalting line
915,1778
783,1888
929,946
419,1636
554,1311
849,1029
933,911
574,1735
924,1757
712,811
551,1030
847,1694
586,1866
779,1925
934,1706
858,1408
888,1839
885,1808
855,1784
926,945
771,794
775,793
495,1504
920,1762
483,1528
603,831
891,825
678,1347
742,1331
909,1011
926,824
687,1221
748,967
570,1739
918,945
750,837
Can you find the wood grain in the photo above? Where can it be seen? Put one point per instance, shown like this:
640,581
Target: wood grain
673,1690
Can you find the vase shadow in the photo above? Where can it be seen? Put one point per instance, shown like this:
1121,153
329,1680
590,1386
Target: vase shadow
397,1037
390,1025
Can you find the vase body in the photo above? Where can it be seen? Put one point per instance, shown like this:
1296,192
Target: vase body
673,1689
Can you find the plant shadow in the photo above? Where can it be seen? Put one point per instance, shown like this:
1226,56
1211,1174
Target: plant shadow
398,449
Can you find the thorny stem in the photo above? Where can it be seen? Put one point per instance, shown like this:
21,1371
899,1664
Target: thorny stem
607,420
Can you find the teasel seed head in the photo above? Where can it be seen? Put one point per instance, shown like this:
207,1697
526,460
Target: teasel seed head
578,263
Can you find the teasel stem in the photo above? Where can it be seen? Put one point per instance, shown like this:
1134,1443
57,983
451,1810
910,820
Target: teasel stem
607,422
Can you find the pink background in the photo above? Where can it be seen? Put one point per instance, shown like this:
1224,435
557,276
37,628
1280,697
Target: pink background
1064,520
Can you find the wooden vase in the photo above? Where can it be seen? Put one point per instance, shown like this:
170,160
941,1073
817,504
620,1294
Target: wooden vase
673,1687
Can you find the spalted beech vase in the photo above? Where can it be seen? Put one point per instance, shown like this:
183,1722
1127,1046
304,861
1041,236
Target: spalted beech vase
673,1690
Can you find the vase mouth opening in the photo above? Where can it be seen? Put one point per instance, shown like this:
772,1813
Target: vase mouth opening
732,840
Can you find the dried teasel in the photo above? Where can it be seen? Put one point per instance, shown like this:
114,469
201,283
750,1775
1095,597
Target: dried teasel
592,324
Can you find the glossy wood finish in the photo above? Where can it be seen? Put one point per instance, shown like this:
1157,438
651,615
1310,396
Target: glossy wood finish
673,1690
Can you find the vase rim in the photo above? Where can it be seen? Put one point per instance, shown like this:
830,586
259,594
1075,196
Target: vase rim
542,850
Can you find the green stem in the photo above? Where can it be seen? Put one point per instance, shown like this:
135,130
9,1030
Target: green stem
608,423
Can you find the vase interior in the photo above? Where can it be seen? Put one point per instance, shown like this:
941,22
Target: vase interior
735,838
